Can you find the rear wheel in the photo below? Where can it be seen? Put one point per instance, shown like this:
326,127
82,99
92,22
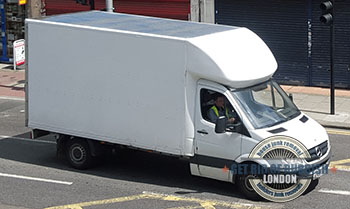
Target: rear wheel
78,154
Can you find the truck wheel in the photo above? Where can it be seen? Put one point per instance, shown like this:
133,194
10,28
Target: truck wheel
312,186
246,188
78,154
61,145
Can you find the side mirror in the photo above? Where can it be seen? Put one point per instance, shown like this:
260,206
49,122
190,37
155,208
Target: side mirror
220,125
238,127
290,97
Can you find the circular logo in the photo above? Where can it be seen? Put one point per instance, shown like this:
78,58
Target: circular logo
281,182
318,152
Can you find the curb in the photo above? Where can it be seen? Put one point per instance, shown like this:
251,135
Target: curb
13,98
334,126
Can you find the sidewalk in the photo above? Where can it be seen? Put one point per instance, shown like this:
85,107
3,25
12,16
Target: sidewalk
11,82
314,101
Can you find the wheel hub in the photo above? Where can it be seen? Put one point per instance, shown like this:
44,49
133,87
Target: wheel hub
78,153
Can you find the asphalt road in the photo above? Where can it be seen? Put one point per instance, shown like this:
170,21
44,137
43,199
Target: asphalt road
31,176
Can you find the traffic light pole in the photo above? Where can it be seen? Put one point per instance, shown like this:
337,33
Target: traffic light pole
332,64
327,18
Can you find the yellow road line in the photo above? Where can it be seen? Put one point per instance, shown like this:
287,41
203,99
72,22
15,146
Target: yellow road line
339,165
187,207
339,162
76,207
100,202
346,133
204,203
208,203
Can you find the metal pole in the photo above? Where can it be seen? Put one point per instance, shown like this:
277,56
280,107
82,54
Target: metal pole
109,5
199,11
14,60
92,4
332,63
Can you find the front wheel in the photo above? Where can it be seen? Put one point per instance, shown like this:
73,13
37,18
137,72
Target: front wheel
312,186
246,188
78,154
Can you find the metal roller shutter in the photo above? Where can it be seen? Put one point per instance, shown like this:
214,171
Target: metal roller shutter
53,7
175,9
320,46
281,24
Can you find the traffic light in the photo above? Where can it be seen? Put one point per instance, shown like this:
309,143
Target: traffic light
327,12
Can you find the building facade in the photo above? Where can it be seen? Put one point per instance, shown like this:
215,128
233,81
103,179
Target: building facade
294,33
290,28
175,9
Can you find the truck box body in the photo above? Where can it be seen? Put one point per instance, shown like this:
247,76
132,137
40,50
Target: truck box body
158,84
131,80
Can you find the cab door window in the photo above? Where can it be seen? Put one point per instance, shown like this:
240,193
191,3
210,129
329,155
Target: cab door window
214,104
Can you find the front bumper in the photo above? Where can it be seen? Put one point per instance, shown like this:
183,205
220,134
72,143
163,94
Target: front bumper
301,167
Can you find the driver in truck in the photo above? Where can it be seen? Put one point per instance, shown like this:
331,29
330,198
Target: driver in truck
220,109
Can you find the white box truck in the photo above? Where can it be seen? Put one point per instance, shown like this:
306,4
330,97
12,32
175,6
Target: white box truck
197,91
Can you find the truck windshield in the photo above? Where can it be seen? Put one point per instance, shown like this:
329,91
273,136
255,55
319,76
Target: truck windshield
265,104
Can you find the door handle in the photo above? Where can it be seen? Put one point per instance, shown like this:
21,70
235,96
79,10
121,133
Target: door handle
202,131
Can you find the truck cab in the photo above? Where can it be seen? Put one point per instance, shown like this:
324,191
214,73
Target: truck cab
261,111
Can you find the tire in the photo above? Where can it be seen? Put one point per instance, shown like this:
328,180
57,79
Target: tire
61,145
246,188
78,154
312,186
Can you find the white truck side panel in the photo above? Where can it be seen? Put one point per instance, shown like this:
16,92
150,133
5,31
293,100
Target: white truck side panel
110,86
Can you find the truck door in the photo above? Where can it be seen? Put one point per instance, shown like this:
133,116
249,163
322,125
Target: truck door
214,153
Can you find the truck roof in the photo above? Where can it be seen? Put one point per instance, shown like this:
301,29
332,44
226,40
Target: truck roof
140,24
233,56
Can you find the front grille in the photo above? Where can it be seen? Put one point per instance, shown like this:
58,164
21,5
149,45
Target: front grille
320,149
